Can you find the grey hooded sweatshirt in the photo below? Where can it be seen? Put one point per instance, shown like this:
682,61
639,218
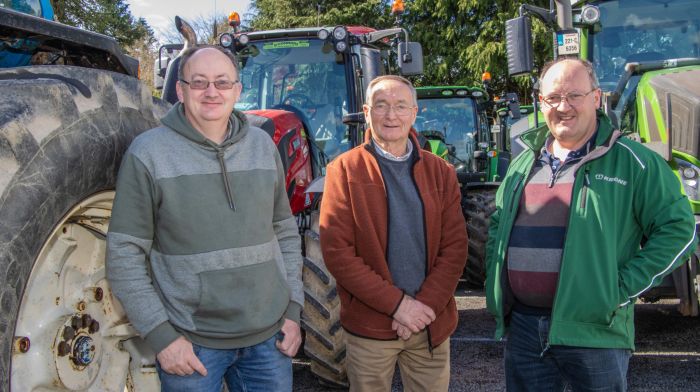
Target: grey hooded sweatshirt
202,241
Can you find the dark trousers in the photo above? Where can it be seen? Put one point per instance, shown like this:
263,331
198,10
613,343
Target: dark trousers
532,365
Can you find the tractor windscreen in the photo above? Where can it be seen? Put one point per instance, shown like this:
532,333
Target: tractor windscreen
304,76
642,30
452,120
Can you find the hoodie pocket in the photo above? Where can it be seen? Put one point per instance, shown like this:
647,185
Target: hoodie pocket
240,301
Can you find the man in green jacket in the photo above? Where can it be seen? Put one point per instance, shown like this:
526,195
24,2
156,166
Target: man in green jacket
564,260
203,251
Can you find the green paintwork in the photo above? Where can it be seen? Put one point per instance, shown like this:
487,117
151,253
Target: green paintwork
438,148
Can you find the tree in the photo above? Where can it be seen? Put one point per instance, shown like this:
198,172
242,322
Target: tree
109,17
277,14
463,38
203,26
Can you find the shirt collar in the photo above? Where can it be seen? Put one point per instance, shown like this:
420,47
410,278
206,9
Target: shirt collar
572,157
392,157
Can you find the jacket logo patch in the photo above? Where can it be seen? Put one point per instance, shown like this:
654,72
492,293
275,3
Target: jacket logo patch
617,180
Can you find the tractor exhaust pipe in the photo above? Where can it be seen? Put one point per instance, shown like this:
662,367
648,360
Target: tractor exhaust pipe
187,33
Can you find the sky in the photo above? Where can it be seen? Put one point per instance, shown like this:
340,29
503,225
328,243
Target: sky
161,13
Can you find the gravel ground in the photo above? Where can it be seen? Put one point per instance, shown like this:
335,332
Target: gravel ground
667,357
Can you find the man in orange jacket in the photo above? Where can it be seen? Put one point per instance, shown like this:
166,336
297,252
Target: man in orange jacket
394,238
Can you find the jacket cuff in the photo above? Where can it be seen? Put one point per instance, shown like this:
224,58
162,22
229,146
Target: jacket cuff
161,337
293,312
396,308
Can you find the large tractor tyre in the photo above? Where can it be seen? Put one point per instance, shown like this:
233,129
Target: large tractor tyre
63,132
324,343
477,205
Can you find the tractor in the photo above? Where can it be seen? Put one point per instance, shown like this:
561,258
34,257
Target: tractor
646,55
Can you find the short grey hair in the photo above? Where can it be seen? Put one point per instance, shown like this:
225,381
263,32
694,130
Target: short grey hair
189,52
372,87
585,63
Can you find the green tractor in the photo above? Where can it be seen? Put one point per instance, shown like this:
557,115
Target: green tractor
646,54
457,124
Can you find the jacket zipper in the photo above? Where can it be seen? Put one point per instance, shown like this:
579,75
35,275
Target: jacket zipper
584,191
224,174
586,182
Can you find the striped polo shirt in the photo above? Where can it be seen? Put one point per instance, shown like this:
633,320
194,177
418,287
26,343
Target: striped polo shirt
537,237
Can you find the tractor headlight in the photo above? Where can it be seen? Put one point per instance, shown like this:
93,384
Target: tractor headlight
590,14
340,39
226,40
340,33
689,174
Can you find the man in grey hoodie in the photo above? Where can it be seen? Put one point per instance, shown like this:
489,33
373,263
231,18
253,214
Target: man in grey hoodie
203,251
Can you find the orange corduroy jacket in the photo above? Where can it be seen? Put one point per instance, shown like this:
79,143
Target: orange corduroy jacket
353,230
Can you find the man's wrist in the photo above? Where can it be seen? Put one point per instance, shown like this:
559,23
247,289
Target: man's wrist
161,337
293,312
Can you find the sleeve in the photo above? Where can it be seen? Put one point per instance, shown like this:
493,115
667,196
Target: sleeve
440,284
337,231
129,242
667,222
287,233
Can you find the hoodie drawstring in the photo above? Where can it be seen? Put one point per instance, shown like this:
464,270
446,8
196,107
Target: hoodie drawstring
224,174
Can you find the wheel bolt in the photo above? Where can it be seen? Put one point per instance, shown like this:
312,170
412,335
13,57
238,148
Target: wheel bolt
22,344
63,349
87,320
94,326
99,294
76,322
68,333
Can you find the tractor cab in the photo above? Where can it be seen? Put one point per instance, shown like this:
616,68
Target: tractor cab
450,119
306,77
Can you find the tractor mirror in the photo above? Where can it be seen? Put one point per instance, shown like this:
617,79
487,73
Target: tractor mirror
519,46
410,58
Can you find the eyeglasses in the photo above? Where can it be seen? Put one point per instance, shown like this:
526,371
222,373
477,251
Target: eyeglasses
573,98
201,84
400,109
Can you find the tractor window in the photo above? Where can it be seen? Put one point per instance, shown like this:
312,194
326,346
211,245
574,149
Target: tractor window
31,7
305,77
643,30
451,119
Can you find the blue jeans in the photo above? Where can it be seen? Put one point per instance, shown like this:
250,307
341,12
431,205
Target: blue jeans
531,364
259,368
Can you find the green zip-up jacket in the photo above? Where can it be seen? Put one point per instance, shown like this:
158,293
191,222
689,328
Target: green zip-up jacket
622,193
202,242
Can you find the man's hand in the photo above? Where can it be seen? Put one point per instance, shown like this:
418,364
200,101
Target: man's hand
292,338
178,358
414,314
401,330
